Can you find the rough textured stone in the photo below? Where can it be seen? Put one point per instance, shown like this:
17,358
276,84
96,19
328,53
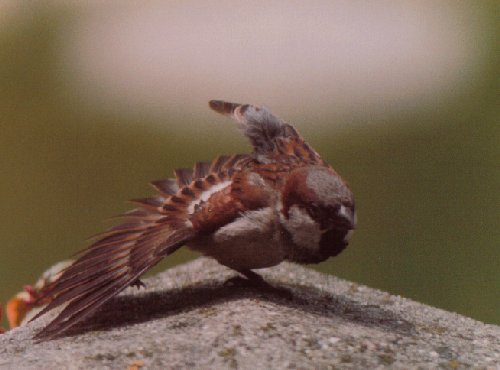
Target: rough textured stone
190,317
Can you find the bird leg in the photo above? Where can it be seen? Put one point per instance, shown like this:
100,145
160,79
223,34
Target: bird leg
251,280
253,277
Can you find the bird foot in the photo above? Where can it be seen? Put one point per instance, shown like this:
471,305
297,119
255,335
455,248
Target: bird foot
138,284
250,280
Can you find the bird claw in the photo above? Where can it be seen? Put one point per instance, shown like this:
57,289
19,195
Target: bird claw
138,284
237,281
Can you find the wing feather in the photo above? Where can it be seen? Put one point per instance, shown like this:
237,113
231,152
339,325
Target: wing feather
149,203
156,229
166,187
271,137
78,310
201,169
218,163
184,176
110,265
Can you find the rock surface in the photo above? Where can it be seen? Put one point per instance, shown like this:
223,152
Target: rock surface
191,317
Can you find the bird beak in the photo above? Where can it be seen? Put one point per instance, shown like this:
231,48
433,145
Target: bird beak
348,217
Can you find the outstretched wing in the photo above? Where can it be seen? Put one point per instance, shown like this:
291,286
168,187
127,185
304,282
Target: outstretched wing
122,254
111,264
271,137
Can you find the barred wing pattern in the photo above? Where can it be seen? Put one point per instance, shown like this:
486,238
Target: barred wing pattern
122,254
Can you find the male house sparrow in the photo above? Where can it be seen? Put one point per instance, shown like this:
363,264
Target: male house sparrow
247,211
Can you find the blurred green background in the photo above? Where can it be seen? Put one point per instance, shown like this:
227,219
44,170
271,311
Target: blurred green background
426,177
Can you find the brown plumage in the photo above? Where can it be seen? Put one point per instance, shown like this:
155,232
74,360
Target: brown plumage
248,211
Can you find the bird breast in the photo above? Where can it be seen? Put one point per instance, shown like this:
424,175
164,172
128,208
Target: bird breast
253,240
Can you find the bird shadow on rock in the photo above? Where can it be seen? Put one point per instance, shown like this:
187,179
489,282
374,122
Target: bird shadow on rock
132,309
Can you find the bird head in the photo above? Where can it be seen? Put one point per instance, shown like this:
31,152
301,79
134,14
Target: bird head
319,212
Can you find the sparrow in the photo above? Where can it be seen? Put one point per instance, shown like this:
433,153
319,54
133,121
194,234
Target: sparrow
280,203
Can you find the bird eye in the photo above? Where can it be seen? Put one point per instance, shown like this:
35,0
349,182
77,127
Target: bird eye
314,211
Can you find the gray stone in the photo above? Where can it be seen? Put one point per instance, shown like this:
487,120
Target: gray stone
191,317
